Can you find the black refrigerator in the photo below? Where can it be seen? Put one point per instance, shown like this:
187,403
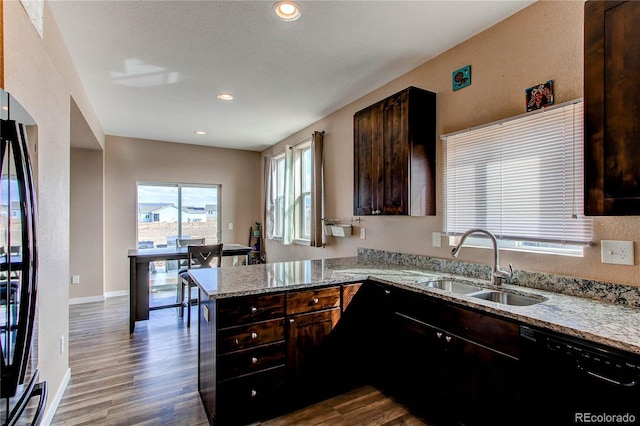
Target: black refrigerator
23,396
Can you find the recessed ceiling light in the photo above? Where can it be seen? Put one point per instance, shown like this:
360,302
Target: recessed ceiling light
287,10
200,132
225,96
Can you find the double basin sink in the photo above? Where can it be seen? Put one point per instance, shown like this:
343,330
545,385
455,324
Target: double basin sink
498,296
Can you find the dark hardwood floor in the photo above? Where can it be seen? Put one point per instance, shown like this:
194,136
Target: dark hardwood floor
150,377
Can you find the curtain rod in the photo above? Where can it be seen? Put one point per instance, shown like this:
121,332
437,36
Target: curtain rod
293,146
304,141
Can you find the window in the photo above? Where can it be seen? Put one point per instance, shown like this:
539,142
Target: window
170,211
303,195
521,179
278,182
298,217
167,211
294,193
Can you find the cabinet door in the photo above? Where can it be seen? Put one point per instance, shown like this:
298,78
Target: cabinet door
612,102
362,335
393,183
480,376
418,375
365,164
306,333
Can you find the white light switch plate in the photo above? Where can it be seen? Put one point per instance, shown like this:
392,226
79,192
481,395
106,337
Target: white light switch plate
617,252
436,239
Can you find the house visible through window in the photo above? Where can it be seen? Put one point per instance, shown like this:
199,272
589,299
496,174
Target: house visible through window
166,212
521,179
170,211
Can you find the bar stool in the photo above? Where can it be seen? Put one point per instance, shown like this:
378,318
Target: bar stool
198,257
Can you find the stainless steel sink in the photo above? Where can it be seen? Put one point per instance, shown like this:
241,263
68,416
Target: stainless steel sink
452,286
507,298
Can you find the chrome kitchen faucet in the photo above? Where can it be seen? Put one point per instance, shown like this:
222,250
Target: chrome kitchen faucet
496,272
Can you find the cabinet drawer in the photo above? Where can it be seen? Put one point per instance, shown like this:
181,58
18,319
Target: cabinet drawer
250,398
313,300
251,360
250,309
250,335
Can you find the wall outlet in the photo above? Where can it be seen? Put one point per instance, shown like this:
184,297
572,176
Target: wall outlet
617,252
230,226
363,234
436,239
61,344
75,279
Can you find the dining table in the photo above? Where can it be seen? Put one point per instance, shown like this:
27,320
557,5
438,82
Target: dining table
139,266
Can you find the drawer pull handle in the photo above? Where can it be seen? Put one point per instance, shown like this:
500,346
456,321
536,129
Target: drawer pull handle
237,342
439,335
387,292
254,360
254,393
254,309
291,321
315,300
254,335
447,338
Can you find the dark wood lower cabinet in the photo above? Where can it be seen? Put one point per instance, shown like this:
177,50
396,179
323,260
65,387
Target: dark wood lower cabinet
309,364
455,364
445,362
241,358
251,397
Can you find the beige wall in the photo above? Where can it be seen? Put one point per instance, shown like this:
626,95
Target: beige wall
39,73
128,161
86,246
542,42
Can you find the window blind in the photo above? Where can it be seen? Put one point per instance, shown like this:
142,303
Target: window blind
520,178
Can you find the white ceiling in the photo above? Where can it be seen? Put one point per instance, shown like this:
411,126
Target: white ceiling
152,69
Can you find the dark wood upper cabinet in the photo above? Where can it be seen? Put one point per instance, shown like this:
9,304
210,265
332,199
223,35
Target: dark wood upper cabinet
612,107
394,155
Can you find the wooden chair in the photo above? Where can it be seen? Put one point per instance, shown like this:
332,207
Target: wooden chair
184,242
201,256
182,264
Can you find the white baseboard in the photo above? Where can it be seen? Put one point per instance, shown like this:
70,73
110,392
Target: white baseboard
52,407
81,300
92,299
117,293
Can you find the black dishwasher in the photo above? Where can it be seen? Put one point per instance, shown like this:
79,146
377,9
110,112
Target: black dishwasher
565,380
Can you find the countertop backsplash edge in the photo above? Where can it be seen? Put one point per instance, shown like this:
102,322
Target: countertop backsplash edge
625,295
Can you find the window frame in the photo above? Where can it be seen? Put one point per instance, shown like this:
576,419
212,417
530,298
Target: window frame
302,223
302,157
278,190
179,221
469,157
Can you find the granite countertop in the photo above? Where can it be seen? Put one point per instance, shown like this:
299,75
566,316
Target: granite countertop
597,321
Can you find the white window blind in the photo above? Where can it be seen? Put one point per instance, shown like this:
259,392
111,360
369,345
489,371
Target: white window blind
521,178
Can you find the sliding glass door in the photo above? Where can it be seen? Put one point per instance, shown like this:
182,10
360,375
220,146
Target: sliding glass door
166,212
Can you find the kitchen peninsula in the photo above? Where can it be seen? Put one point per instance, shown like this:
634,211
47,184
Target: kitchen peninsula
273,337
